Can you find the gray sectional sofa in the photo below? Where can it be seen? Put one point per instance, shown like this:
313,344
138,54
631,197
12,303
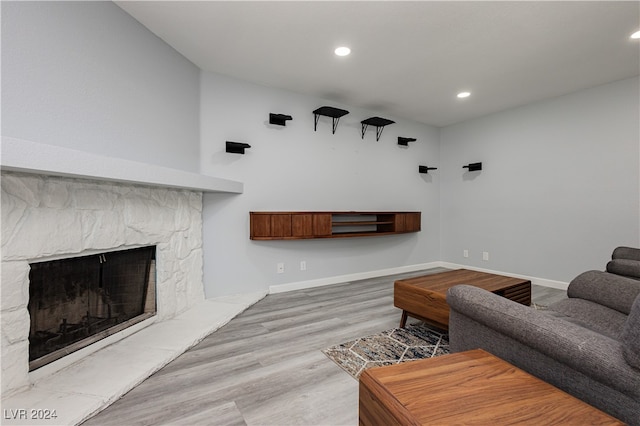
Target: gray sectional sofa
587,344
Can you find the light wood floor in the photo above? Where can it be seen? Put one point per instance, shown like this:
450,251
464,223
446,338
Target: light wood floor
265,367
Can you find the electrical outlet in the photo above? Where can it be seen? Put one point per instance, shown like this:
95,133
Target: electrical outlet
465,253
303,265
485,255
280,268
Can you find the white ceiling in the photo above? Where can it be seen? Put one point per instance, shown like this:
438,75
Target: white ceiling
409,59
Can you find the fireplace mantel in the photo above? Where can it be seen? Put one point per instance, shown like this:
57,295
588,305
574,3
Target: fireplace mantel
20,155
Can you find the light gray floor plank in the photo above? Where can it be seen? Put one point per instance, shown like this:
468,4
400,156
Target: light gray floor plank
545,296
265,367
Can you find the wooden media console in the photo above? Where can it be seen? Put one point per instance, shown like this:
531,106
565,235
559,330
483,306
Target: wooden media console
308,225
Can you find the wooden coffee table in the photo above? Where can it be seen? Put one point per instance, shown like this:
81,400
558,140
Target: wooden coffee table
472,387
424,297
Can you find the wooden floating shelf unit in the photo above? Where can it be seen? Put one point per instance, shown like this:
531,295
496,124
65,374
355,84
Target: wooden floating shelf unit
309,225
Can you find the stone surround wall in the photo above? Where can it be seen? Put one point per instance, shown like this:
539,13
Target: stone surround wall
45,218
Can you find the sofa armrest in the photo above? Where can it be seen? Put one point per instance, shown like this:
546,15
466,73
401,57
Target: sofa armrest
579,348
611,290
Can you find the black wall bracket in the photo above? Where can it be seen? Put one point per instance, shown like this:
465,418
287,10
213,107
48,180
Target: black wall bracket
473,167
237,147
378,122
425,169
405,141
327,111
279,119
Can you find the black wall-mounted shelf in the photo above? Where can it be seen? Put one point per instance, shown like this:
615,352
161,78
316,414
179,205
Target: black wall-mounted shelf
425,169
405,141
237,147
327,111
279,119
378,122
473,167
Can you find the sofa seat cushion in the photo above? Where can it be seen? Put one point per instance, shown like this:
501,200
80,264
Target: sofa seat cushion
591,315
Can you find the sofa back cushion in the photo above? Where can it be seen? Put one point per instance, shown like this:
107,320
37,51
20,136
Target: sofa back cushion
630,336
625,267
611,290
630,253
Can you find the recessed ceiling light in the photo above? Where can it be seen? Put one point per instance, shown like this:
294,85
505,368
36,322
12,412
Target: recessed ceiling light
342,51
635,35
462,95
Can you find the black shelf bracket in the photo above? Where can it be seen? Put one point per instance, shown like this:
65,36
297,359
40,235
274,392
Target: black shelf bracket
378,122
425,169
327,111
405,141
473,167
279,119
237,147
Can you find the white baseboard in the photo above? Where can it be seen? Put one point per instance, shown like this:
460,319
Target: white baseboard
300,285
534,280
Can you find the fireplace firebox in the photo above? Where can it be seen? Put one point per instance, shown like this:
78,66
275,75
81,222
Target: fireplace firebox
77,301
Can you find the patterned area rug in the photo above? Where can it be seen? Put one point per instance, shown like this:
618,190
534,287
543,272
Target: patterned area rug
416,341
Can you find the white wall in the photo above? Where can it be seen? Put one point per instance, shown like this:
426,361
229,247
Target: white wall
86,75
559,189
294,168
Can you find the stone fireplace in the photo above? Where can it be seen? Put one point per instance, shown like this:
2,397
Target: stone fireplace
48,218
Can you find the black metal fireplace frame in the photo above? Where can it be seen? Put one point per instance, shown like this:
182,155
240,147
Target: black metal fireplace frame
69,337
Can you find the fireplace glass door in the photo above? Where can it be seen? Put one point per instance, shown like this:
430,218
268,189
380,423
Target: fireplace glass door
77,301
